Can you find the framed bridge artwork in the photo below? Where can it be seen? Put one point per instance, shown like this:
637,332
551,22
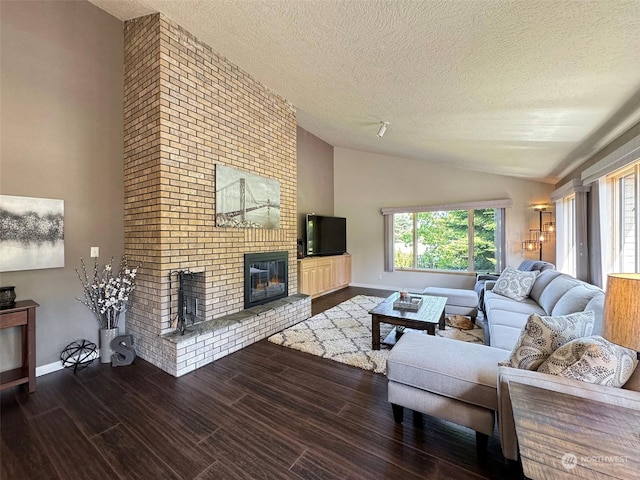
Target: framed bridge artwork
246,200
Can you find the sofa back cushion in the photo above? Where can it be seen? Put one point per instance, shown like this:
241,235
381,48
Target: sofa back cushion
596,305
535,265
575,300
583,297
556,289
541,283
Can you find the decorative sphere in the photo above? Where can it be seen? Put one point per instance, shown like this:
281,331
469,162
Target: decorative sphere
79,354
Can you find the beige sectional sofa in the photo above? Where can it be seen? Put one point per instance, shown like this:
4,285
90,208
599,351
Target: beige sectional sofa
461,382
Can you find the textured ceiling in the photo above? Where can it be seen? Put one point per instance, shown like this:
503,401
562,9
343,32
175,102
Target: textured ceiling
525,88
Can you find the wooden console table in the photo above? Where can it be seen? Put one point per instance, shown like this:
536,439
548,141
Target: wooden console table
22,315
562,436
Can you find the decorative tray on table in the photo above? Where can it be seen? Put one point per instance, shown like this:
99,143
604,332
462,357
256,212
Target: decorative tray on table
412,304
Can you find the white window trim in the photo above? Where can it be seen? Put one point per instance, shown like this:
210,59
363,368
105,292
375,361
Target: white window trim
566,239
576,189
614,194
606,227
503,203
388,212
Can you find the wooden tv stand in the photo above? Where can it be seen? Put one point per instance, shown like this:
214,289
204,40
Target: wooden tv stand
321,275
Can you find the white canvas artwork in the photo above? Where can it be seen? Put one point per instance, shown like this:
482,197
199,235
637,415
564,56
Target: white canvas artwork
246,200
31,233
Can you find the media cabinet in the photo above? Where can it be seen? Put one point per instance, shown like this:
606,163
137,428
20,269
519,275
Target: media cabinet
320,275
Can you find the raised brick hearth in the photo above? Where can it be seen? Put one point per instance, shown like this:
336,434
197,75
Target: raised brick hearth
186,110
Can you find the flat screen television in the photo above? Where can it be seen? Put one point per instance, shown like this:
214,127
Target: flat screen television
326,235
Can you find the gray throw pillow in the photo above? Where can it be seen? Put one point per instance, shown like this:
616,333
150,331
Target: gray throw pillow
515,284
543,335
592,360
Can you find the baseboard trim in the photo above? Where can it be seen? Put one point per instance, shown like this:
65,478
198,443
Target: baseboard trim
393,288
50,368
55,366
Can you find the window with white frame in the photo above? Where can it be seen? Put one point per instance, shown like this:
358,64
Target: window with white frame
568,261
625,199
572,253
449,240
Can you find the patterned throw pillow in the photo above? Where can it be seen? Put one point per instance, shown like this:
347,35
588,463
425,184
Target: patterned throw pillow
515,284
592,360
541,336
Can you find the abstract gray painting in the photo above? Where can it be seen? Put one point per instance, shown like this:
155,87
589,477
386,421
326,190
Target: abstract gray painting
31,233
246,200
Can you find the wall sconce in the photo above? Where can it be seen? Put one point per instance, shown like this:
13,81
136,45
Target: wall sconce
382,129
543,234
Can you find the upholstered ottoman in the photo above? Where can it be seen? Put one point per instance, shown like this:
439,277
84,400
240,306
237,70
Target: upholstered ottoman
459,302
445,378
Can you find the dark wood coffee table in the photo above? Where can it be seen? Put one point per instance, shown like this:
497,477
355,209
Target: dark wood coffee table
431,313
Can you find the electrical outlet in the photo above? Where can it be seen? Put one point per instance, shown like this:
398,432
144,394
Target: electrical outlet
380,277
95,252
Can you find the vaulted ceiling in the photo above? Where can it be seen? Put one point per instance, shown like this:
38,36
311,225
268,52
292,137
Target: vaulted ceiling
528,88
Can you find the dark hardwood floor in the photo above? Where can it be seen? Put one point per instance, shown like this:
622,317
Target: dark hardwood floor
265,412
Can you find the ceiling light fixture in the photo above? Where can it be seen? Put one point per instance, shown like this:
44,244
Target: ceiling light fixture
382,129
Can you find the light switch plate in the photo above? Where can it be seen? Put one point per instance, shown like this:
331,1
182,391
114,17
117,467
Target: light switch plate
95,252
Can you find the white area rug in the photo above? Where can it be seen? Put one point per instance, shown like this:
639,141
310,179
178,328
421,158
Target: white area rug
343,334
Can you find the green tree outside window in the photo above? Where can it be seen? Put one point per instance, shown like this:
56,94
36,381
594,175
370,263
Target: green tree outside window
440,240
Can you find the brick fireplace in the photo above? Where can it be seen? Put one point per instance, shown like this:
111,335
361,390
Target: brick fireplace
187,109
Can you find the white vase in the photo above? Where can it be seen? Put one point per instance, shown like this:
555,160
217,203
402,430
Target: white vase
106,335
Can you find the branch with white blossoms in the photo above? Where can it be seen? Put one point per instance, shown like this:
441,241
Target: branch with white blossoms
106,294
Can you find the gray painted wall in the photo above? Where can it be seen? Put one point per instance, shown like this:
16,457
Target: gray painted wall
61,137
366,182
315,177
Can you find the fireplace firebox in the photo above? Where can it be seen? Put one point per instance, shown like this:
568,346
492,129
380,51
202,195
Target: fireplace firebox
265,277
188,293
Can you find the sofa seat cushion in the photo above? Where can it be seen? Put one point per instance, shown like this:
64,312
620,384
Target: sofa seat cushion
505,327
495,301
508,318
460,370
503,337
